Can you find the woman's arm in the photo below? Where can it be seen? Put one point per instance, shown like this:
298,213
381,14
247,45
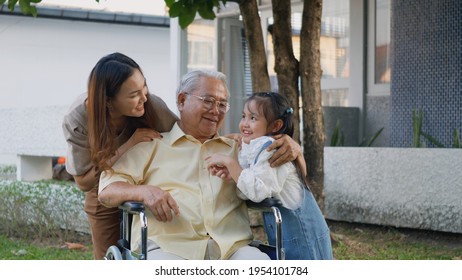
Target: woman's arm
90,179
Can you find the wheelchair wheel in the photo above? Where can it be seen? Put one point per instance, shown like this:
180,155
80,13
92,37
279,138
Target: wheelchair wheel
113,253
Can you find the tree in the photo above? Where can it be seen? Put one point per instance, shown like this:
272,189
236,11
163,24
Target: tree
288,69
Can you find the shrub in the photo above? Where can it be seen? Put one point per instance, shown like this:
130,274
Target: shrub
41,209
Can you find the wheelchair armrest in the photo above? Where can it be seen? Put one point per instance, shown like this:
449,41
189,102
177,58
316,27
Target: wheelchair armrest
132,207
266,203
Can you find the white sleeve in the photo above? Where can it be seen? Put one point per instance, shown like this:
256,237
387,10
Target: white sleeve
260,180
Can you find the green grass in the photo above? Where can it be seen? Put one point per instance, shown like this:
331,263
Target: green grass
367,242
351,242
21,249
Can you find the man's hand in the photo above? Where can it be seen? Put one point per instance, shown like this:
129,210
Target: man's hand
161,203
287,150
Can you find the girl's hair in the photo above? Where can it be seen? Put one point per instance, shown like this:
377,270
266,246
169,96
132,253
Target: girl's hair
104,82
275,106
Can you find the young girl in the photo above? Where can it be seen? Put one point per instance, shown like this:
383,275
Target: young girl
305,233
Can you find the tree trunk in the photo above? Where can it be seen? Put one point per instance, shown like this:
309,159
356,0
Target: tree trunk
286,65
254,38
310,74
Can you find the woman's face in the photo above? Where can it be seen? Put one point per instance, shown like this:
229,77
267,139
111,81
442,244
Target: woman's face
130,99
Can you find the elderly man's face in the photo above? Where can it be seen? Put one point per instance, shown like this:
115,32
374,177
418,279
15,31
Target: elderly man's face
196,119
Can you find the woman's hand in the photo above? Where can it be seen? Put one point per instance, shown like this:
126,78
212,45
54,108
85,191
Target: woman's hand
143,135
287,150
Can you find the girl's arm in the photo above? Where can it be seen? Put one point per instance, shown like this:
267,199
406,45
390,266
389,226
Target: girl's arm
221,166
260,180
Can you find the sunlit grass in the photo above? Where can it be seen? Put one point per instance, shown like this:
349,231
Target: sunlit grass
365,242
21,249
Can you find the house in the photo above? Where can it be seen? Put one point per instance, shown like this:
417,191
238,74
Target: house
45,63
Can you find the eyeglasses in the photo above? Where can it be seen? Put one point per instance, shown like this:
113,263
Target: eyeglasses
208,102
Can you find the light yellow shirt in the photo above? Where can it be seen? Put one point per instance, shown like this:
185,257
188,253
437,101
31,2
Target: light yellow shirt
209,207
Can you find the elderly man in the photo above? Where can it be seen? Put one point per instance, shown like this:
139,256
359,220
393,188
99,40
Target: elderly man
193,215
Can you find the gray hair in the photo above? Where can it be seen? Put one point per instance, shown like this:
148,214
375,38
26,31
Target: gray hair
190,81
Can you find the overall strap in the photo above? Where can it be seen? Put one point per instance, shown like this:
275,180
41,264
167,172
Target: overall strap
262,148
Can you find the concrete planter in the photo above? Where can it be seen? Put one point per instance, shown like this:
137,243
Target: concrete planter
402,187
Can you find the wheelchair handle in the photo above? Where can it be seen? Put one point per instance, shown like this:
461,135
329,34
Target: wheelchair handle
266,203
132,207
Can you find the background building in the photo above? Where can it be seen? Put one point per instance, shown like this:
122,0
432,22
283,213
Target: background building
45,63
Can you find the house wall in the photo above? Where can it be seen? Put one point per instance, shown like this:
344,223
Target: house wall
45,65
426,67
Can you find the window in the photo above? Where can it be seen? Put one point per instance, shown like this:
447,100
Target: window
378,58
382,42
334,45
201,42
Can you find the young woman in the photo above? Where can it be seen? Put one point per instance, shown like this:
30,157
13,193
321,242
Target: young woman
305,233
116,113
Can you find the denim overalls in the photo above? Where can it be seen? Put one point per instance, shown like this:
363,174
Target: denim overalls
305,234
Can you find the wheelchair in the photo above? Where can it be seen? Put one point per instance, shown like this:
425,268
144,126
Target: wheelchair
130,210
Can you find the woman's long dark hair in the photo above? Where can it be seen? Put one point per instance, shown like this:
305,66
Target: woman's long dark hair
104,82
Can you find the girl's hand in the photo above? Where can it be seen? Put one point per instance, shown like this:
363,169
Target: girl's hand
216,164
221,172
237,137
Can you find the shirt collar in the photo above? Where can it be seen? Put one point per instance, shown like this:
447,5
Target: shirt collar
177,133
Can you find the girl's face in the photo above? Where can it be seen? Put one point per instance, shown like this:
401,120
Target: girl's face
253,124
130,99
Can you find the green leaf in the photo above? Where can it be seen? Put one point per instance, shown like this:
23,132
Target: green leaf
175,10
457,142
169,3
25,7
2,2
187,16
432,140
338,138
206,11
371,140
35,1
417,117
186,20
11,4
335,135
33,11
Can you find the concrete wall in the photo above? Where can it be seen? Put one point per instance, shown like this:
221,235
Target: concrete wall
45,65
412,188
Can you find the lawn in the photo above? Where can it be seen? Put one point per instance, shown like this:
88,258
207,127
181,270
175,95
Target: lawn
351,242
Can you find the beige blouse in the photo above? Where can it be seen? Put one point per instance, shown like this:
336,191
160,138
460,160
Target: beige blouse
75,132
